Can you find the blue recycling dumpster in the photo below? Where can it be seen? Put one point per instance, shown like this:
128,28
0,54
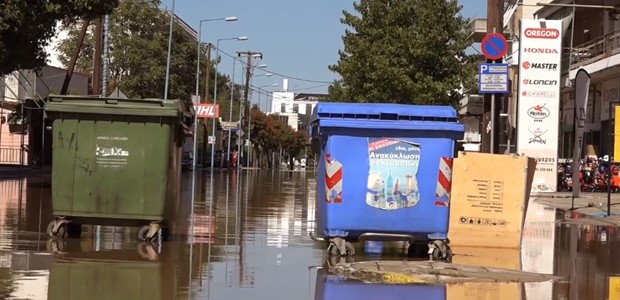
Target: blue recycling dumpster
378,167
332,287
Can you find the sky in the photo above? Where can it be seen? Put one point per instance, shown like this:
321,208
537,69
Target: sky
299,39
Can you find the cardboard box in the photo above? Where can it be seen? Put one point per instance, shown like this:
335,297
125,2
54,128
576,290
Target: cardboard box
489,199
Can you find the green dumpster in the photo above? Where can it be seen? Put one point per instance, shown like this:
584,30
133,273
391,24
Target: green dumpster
116,274
116,162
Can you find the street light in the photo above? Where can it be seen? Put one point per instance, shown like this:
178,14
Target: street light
260,88
264,75
240,38
196,98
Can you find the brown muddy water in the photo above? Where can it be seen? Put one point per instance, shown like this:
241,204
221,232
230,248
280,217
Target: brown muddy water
258,248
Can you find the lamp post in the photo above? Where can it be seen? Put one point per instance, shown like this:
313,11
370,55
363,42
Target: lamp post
260,88
262,66
169,51
241,38
196,98
232,93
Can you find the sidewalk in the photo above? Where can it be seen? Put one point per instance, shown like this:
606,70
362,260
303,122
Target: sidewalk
425,272
590,207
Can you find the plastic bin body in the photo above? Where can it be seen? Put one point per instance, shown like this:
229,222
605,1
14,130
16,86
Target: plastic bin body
114,158
349,135
331,287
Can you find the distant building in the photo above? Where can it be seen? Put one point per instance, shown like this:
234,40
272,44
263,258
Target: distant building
296,108
15,88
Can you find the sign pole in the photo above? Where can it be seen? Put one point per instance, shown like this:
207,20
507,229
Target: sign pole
493,80
493,124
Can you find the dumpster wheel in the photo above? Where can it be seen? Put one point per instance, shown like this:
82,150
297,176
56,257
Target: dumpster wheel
57,228
440,251
340,247
148,251
149,232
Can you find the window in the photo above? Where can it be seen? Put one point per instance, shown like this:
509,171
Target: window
296,108
308,109
283,107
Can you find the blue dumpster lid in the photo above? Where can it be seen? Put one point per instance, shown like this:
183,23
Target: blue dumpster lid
386,116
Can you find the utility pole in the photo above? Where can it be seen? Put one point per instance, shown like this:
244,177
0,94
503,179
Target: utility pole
246,92
495,23
97,59
74,57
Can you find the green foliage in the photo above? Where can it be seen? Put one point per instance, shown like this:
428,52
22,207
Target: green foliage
295,142
269,133
404,51
26,27
138,53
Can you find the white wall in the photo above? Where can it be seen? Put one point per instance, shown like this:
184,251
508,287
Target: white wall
282,97
20,84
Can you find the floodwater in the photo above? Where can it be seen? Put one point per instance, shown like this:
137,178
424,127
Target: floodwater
257,247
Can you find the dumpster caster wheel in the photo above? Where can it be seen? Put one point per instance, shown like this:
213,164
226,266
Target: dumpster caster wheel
149,232
57,228
439,251
55,246
340,247
148,251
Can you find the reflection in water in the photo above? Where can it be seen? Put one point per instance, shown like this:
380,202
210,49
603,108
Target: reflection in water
330,287
248,238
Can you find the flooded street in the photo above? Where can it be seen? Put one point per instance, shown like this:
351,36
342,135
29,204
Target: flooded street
258,248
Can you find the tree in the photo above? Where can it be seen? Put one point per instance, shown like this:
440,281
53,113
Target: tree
404,51
26,27
267,134
294,143
138,54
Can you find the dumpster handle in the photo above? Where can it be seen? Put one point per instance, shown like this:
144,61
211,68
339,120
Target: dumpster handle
111,101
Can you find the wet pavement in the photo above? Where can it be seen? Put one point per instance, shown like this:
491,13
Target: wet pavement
252,242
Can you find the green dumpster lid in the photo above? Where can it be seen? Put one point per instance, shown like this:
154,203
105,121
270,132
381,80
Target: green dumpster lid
113,106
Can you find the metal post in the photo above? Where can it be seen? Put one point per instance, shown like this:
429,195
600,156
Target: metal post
611,152
609,189
106,55
493,123
217,55
232,88
240,139
196,100
259,94
169,51
197,93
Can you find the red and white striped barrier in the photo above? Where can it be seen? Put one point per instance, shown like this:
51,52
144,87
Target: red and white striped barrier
444,182
333,180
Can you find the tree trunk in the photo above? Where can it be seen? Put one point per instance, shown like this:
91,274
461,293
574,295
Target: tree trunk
269,160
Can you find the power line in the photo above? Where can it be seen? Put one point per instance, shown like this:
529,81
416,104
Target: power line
275,73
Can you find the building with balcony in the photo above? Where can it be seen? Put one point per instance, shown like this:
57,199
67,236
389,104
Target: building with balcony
592,43
514,12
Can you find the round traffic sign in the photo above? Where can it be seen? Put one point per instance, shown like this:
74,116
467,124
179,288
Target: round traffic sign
494,46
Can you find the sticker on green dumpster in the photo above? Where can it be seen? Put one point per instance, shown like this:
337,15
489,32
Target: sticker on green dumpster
392,182
111,151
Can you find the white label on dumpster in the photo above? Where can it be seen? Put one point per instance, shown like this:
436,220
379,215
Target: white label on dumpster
392,178
111,156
